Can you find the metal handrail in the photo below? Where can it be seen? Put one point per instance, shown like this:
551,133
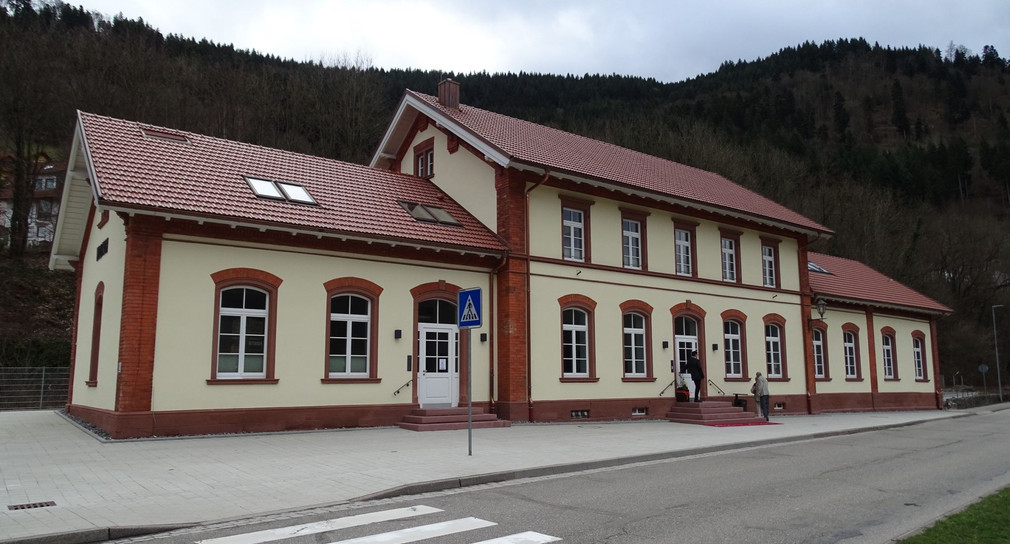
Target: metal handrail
397,392
721,392
667,387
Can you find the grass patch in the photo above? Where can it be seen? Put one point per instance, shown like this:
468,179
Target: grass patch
984,522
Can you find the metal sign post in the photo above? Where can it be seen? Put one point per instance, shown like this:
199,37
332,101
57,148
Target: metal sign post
468,305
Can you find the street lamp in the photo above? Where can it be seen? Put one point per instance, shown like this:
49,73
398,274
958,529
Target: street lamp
999,380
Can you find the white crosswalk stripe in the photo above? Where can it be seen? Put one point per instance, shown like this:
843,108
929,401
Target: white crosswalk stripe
281,533
529,537
414,534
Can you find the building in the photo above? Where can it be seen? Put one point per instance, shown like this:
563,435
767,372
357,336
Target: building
45,203
227,287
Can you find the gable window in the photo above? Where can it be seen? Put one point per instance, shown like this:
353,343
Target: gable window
770,262
245,325
889,352
820,354
732,347
919,356
850,348
684,247
634,344
242,333
730,244
424,158
577,338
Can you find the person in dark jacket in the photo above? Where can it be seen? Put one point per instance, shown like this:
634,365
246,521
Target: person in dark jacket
697,374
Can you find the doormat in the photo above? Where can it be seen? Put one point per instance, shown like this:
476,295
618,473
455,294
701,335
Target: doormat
742,424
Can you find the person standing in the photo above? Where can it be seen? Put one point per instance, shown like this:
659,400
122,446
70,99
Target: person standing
697,374
760,390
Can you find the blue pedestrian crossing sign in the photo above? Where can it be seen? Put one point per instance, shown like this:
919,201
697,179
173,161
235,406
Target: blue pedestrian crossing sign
469,308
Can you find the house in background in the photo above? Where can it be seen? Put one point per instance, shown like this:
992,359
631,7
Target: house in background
45,206
228,287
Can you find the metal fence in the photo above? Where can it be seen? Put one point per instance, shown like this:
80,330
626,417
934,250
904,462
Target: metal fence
29,388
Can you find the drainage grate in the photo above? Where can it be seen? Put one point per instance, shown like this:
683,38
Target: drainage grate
26,506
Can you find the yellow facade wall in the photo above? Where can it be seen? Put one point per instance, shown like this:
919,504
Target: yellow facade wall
183,357
904,360
109,271
463,176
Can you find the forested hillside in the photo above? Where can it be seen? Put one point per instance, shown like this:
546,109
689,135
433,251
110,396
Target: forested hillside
905,153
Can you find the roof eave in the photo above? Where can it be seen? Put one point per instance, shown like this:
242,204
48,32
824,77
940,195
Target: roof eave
890,306
294,231
810,233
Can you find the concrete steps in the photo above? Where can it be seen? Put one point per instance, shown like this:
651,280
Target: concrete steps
711,412
449,419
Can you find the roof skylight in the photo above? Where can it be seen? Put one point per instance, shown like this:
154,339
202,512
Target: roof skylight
278,190
429,214
816,268
162,135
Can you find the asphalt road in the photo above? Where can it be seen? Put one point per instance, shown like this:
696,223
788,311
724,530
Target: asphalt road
867,487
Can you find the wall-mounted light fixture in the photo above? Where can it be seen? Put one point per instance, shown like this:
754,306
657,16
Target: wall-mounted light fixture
397,334
821,305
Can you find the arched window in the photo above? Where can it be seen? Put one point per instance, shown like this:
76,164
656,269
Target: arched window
919,356
244,326
819,338
850,348
578,354
773,350
634,345
889,353
96,336
352,320
733,348
242,333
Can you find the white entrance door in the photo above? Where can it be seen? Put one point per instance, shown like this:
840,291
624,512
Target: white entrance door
438,365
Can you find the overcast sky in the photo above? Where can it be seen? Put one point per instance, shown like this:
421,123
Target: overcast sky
670,40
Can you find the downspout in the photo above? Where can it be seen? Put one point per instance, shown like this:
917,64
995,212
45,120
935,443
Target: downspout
492,292
529,343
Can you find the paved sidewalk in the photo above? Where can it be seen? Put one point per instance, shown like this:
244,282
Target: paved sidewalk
132,486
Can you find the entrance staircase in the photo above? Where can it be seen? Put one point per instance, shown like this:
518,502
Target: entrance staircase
448,419
712,412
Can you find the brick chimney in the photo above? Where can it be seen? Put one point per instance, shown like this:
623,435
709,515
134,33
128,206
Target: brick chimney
448,94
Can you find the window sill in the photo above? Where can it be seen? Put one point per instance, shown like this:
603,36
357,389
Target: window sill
564,379
922,380
853,379
778,379
90,383
351,380
635,379
822,379
242,381
737,379
892,379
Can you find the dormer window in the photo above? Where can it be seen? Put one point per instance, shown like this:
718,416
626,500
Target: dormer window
279,190
424,158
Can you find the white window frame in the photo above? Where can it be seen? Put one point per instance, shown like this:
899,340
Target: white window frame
768,265
682,250
733,349
920,371
887,347
773,350
349,319
851,362
243,335
573,337
631,234
817,337
573,231
728,259
635,352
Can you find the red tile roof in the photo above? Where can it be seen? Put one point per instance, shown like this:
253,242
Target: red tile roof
852,280
205,178
562,151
